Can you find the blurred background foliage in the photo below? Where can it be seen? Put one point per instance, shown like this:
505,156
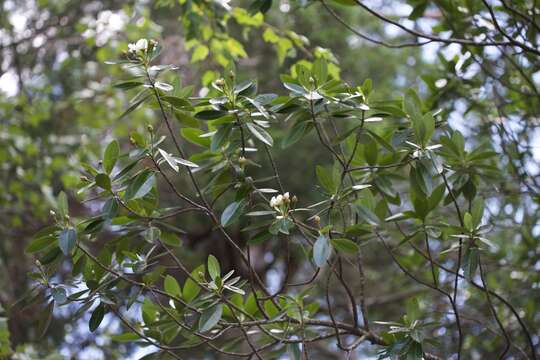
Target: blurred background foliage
58,111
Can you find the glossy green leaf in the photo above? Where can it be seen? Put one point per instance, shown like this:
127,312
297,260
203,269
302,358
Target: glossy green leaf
97,317
232,212
210,317
140,186
210,114
67,240
260,133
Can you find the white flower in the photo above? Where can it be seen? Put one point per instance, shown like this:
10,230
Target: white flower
277,201
273,201
141,44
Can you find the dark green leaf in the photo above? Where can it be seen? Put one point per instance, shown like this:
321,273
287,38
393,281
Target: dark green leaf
143,183
260,133
210,114
67,240
326,179
103,181
125,85
97,317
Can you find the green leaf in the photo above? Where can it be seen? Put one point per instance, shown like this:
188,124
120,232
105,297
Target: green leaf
62,204
260,133
38,244
213,267
468,221
320,70
171,286
42,240
193,135
134,106
125,337
220,137
232,213
125,85
345,245
412,103
436,196
477,212
470,262
110,156
321,250
200,53
367,215
210,317
190,290
346,2
210,114
297,89
143,183
103,181
326,179
295,134
171,239
97,317
177,102
67,240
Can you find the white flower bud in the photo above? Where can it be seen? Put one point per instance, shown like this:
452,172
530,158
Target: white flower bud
286,196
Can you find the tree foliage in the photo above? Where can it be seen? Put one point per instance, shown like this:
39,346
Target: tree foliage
319,218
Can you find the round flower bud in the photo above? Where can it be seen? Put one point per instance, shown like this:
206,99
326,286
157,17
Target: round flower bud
220,82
